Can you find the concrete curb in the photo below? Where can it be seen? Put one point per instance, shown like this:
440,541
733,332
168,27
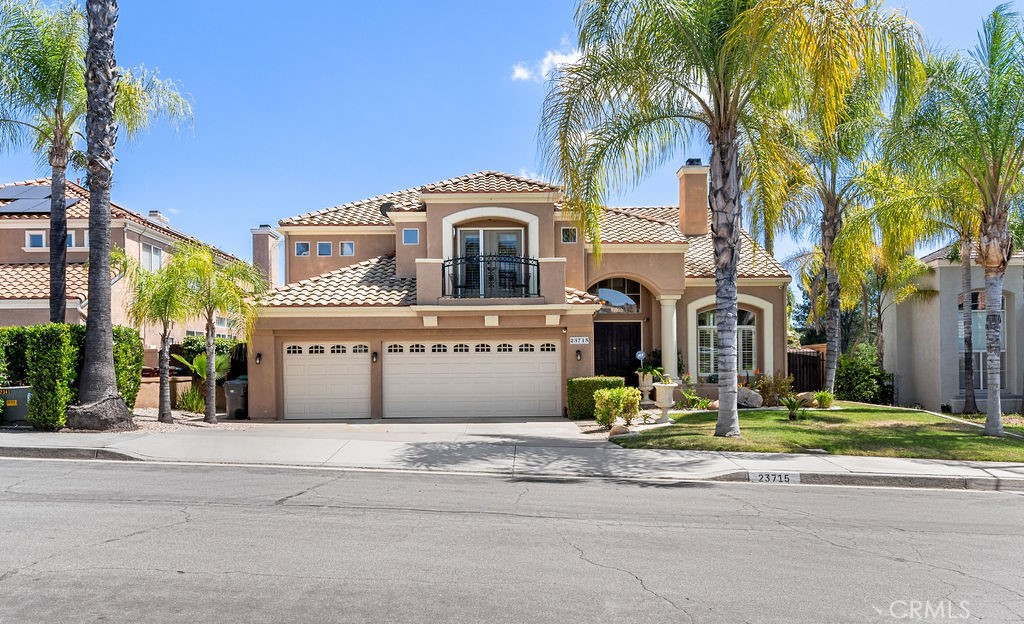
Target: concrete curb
986,484
64,452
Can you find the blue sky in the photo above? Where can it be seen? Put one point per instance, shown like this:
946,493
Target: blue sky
296,110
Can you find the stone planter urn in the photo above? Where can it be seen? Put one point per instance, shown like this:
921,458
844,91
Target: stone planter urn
646,385
664,398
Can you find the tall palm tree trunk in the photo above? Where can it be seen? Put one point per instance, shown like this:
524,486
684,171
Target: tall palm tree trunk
101,405
830,224
58,235
993,355
164,410
211,370
725,215
970,402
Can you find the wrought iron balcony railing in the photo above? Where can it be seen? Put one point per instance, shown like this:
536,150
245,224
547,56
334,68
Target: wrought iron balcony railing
492,276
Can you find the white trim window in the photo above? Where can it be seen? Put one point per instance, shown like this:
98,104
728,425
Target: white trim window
410,236
35,239
707,343
152,257
570,235
346,248
618,295
325,248
980,352
71,240
302,249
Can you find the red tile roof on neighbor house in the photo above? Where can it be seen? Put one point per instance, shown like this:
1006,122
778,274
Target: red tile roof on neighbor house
32,281
80,210
368,283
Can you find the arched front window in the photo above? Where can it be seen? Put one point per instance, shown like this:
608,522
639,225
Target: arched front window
978,314
707,343
618,295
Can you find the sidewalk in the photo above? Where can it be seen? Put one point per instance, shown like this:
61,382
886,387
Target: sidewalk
522,449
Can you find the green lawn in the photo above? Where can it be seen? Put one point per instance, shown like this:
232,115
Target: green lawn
1011,422
855,429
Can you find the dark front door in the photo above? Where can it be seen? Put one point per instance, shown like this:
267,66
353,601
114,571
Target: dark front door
615,347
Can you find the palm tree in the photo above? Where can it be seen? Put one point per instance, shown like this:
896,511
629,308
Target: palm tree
971,117
652,73
216,287
43,102
156,298
101,407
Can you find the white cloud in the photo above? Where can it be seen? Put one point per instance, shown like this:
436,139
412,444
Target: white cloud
544,68
521,72
173,211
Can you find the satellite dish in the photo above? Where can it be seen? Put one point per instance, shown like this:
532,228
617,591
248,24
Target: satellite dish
387,207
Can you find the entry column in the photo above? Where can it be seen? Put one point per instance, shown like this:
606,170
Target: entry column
669,343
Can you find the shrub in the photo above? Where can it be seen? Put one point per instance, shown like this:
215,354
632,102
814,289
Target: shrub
859,378
793,404
14,342
580,394
192,346
773,387
52,372
192,400
824,399
129,355
613,403
4,380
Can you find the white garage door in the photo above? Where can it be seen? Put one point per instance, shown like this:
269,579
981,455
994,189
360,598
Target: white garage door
473,379
326,380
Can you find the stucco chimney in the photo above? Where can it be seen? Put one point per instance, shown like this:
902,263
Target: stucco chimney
158,217
264,252
693,197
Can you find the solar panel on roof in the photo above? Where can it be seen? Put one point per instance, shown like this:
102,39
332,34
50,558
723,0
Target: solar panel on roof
25,192
27,206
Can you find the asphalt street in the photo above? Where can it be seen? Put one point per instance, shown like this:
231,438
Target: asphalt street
151,543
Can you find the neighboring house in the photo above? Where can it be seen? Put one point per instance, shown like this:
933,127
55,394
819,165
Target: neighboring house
478,296
924,339
25,265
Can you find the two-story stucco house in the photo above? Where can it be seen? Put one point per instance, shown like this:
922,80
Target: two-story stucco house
25,257
477,296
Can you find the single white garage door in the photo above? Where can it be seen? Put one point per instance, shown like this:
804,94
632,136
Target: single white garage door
472,379
326,380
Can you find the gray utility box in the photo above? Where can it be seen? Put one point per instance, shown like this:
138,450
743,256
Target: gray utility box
236,392
15,404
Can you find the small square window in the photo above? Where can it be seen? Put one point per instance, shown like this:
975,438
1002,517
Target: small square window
410,236
347,248
569,235
36,240
301,249
325,248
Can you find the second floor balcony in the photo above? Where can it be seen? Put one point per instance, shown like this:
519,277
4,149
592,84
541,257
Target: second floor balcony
490,277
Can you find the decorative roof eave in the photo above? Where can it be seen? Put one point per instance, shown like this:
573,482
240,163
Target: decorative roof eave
518,197
412,311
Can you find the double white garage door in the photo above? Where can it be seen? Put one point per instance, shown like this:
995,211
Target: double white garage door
461,379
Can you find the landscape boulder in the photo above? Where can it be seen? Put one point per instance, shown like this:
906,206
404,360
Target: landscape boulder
808,399
618,430
748,398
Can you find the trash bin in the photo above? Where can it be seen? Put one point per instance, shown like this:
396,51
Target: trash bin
236,392
14,404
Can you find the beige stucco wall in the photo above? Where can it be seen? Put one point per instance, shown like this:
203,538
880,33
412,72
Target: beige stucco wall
660,272
303,267
922,348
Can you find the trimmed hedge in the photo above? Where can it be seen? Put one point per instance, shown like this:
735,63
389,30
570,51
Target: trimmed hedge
52,372
129,356
610,404
49,358
192,346
580,394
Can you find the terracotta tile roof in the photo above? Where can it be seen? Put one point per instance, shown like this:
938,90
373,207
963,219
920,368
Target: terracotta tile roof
80,210
630,226
32,281
700,257
362,212
367,211
368,283
490,182
943,253
574,297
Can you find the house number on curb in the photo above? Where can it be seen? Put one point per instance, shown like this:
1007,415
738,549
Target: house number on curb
579,340
774,477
